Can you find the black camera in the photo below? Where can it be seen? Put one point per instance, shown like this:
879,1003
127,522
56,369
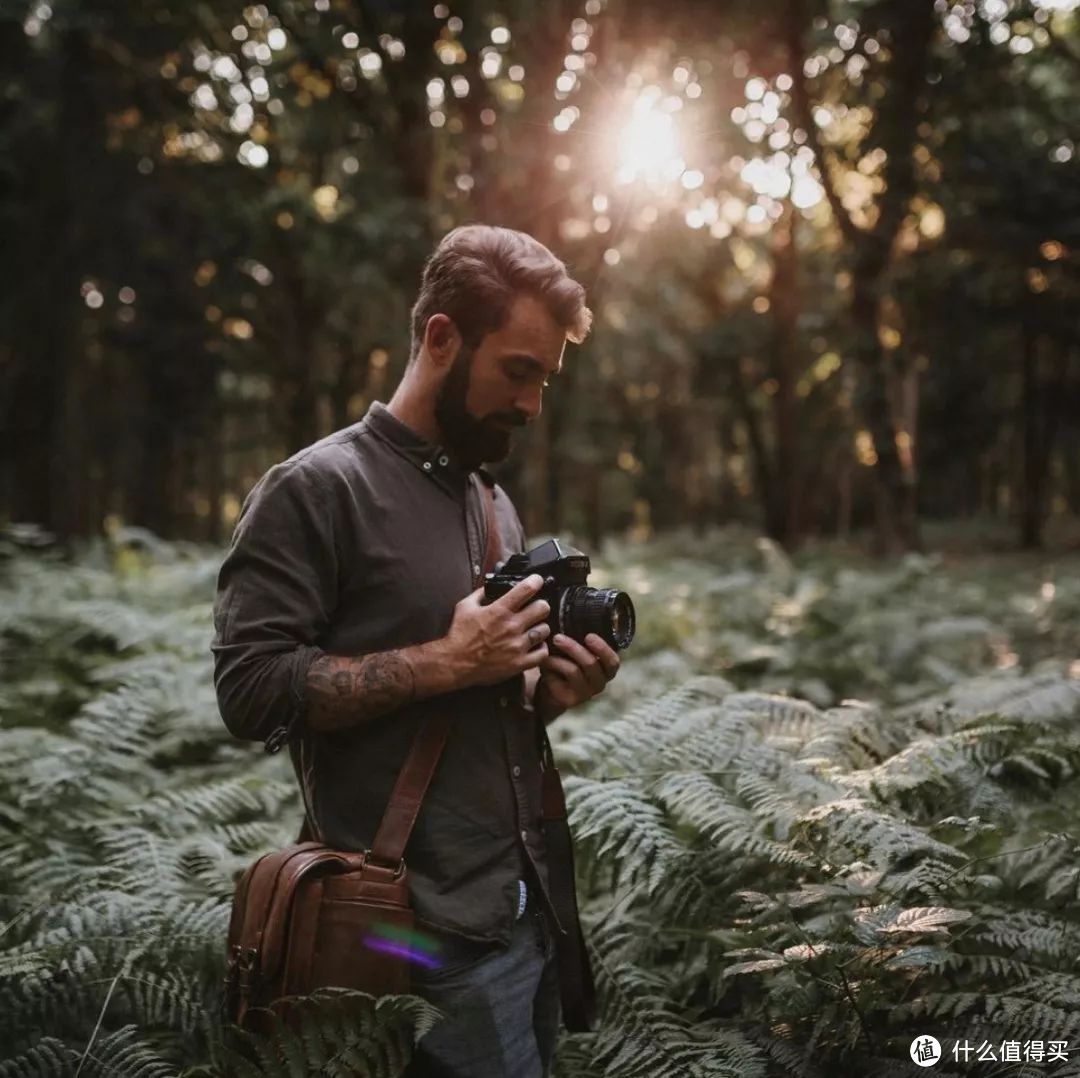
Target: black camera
576,610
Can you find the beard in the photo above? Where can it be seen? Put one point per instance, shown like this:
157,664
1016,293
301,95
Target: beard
470,440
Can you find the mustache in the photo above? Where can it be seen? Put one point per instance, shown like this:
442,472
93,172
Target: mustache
513,419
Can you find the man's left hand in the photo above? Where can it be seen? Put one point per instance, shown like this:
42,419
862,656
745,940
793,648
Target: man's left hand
573,673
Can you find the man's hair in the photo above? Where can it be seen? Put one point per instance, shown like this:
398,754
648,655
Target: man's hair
476,272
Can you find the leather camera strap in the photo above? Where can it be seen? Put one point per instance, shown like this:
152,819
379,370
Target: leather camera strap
493,546
415,775
577,989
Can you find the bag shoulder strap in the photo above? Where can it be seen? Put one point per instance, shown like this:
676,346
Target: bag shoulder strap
415,776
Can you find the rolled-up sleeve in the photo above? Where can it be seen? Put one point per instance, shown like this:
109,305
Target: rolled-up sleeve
276,593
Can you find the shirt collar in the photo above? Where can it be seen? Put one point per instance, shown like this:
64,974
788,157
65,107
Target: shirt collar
431,459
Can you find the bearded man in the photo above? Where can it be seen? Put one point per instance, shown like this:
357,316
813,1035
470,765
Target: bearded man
350,609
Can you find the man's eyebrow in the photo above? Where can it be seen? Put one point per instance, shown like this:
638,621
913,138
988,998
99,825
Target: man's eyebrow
534,363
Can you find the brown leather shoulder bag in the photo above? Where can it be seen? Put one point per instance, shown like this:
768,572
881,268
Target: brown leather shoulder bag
310,916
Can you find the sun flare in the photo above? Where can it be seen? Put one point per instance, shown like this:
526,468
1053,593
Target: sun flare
648,145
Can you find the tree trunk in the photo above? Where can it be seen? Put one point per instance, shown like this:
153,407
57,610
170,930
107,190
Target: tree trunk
760,457
911,25
1072,472
784,307
1044,388
1032,471
214,471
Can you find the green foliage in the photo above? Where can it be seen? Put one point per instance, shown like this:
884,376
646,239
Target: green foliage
124,825
770,885
835,884
334,1032
826,625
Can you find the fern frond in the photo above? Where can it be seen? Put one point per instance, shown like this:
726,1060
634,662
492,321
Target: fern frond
632,743
122,1052
617,814
645,1036
852,828
332,1032
1047,697
696,802
1029,933
49,1058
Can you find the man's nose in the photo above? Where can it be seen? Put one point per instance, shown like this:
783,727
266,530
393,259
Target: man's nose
529,402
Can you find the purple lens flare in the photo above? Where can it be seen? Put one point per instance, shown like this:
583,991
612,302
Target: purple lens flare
406,943
402,950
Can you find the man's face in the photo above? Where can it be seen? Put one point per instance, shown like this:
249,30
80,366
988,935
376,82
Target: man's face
492,390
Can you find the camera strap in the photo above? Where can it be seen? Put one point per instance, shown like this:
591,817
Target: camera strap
577,989
492,547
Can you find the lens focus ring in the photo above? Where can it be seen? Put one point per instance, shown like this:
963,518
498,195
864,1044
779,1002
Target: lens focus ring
607,612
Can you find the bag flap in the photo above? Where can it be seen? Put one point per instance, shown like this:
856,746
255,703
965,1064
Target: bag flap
251,889
273,925
255,891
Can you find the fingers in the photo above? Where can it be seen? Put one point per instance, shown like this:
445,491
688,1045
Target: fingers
595,650
537,650
534,613
597,662
608,656
566,681
522,592
560,667
536,657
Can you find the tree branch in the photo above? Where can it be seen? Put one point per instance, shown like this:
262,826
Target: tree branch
804,114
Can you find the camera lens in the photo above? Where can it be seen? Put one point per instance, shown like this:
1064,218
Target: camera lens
604,611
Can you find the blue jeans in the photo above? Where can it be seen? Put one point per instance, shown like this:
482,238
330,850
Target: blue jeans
501,1007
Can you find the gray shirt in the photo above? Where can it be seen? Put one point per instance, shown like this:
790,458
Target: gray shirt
364,542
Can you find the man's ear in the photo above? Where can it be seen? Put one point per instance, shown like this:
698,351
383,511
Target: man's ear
442,340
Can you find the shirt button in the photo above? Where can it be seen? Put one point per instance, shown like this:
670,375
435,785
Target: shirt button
524,836
503,701
476,570
427,465
517,770
444,460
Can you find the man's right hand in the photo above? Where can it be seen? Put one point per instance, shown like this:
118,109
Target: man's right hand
488,644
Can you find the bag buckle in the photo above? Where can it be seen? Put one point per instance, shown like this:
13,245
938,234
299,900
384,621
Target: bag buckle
238,980
246,961
398,870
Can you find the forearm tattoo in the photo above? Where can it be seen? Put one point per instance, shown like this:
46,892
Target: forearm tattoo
342,690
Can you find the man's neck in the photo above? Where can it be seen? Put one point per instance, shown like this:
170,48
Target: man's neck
412,406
